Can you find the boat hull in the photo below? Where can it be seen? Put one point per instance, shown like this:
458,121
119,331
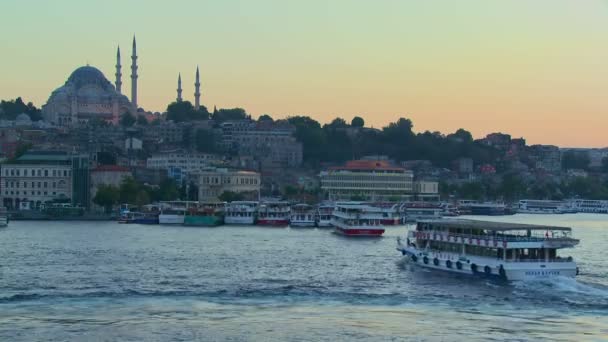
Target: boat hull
488,267
3,221
171,219
390,222
239,220
273,222
302,224
203,221
324,224
361,232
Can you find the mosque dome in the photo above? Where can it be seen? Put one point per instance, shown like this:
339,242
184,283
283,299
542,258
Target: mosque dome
86,94
88,75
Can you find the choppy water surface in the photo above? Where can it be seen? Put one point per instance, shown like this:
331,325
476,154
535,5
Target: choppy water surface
104,281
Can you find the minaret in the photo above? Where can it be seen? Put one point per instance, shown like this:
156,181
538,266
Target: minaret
134,75
197,91
179,88
118,73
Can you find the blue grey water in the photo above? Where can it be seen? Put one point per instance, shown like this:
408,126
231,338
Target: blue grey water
101,281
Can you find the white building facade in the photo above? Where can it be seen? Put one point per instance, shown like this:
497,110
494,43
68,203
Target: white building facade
212,183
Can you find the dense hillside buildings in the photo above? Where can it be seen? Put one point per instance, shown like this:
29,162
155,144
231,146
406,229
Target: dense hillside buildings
272,143
212,183
39,177
179,164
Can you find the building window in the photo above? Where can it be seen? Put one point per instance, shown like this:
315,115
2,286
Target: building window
46,173
45,185
25,172
39,173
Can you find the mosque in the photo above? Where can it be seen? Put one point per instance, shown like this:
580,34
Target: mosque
87,94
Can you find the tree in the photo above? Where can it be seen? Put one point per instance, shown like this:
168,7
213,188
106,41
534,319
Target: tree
357,121
141,120
127,119
128,190
106,196
142,198
183,111
222,115
338,123
230,196
265,118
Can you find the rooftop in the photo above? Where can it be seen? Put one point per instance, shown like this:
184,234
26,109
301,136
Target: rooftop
488,225
368,165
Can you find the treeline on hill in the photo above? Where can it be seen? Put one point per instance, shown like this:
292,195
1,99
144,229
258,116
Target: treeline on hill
10,109
339,141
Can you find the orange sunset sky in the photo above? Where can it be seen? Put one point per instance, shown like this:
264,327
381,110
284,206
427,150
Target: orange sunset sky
537,69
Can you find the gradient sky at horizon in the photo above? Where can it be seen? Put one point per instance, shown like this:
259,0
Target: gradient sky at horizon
537,69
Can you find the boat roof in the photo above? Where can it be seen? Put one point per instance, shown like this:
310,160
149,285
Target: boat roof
489,225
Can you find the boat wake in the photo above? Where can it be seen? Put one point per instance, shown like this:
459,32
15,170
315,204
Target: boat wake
566,290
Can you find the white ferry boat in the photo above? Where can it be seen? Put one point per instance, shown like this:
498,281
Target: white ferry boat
173,212
415,211
324,214
302,215
274,214
528,206
506,251
3,217
357,219
241,212
589,206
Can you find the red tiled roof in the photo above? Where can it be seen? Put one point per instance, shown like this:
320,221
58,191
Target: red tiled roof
111,168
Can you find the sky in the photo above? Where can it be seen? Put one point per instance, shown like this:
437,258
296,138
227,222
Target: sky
531,68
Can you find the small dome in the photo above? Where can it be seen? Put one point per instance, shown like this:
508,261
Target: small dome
22,117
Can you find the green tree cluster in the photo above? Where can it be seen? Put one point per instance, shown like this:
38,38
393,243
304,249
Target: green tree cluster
222,115
184,111
575,160
10,109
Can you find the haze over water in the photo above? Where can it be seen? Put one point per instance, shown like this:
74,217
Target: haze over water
104,281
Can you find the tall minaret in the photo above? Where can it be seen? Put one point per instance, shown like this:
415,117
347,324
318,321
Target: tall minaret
197,91
179,88
134,75
118,73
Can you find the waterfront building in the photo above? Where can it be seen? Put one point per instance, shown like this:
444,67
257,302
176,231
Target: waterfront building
368,180
426,190
39,177
213,182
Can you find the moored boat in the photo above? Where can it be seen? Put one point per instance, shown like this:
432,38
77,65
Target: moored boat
324,215
173,212
507,251
4,219
205,214
357,219
414,211
302,215
274,213
136,217
391,215
528,206
241,212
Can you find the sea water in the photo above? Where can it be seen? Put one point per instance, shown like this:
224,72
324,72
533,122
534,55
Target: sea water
101,281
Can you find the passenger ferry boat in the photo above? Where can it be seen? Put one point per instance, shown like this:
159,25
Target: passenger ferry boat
324,214
589,206
507,251
137,217
414,211
205,214
391,215
173,212
527,206
357,219
241,212
302,215
274,214
468,207
3,217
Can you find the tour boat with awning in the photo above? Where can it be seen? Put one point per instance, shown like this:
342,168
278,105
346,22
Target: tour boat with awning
508,251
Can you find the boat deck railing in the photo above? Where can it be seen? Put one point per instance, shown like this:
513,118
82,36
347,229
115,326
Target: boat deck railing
499,237
567,259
